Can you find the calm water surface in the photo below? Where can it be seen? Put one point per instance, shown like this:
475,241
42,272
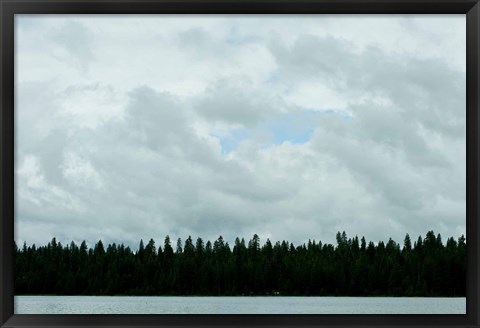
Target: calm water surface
237,305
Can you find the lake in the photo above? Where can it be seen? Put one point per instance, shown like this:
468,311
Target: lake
237,305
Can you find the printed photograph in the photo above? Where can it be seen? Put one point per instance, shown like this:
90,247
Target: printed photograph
240,164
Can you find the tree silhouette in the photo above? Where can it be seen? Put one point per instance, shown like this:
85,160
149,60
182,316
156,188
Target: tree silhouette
352,267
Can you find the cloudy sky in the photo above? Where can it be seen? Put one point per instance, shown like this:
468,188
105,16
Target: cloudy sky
292,127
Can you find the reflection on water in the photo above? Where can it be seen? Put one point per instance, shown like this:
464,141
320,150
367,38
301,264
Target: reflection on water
237,305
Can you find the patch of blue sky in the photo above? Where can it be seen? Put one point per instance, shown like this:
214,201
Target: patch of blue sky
231,141
298,127
282,133
294,127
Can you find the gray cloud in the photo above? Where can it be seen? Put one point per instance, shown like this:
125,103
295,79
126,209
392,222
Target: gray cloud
276,130
235,102
79,46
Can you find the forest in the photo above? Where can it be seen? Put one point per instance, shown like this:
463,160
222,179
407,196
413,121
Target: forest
352,267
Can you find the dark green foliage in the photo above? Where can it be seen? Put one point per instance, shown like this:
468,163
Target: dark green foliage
351,268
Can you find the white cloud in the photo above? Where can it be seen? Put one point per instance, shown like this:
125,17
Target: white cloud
292,127
313,95
80,172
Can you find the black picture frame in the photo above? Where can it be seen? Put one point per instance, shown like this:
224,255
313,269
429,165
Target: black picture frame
8,8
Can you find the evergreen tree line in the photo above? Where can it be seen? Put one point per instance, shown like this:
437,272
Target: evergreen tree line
352,267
